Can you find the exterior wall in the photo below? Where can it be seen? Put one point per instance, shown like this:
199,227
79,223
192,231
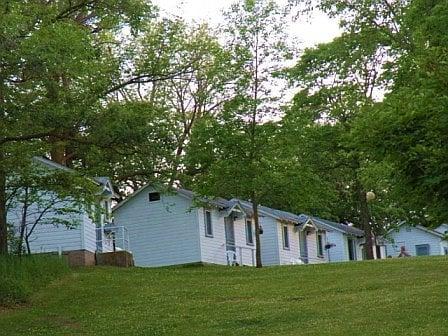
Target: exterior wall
89,232
311,240
291,255
339,252
410,237
161,233
244,250
444,247
269,241
48,237
213,249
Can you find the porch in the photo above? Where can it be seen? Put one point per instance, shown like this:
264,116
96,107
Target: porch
240,255
110,238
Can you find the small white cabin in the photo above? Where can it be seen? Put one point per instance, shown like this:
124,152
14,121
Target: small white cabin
344,242
170,228
417,240
90,231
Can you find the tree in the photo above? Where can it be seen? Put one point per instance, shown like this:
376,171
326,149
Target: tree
338,82
201,89
233,151
54,70
38,195
409,129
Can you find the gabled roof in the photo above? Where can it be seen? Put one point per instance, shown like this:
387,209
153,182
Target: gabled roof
218,202
50,163
422,228
104,182
347,229
442,228
274,213
108,189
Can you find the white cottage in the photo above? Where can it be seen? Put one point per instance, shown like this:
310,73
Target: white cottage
91,231
170,228
344,242
288,238
417,240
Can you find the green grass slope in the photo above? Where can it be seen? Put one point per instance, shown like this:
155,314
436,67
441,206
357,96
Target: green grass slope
389,297
20,277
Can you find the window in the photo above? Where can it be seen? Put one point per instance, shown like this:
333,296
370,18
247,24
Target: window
422,250
154,196
249,233
208,224
320,245
285,237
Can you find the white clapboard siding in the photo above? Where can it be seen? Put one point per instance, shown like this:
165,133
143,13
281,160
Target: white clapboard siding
339,252
213,249
89,231
410,237
48,237
292,254
161,233
311,240
241,241
269,241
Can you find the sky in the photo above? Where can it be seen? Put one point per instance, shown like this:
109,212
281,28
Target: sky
318,29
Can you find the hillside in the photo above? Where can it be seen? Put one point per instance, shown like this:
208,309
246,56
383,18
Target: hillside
389,297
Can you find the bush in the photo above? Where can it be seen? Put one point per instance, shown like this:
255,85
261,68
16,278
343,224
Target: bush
20,277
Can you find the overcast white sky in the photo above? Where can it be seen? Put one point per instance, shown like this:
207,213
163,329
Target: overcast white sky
319,29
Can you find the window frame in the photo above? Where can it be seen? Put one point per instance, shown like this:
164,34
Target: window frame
286,242
249,235
154,193
208,220
422,245
319,245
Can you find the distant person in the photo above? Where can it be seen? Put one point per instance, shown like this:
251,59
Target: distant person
403,252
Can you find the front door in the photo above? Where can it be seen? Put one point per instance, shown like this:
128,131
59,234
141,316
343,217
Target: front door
230,234
303,247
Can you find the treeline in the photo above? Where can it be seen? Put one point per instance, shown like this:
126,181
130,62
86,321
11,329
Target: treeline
112,88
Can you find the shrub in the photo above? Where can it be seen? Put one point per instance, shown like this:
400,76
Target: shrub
20,277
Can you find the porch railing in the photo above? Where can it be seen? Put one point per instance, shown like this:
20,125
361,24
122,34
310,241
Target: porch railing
238,255
112,238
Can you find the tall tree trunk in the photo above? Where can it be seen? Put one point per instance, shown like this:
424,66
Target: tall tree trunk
257,233
365,222
3,223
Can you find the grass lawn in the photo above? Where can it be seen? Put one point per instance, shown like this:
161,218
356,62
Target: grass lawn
388,297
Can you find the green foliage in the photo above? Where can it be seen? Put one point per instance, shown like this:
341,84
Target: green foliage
409,129
233,151
39,195
22,277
